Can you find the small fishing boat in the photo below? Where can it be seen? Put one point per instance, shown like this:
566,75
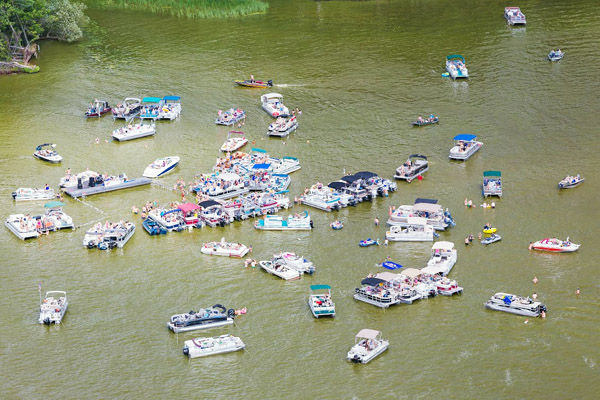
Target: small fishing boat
443,258
98,108
134,131
161,166
416,229
415,166
570,182
368,242
53,307
223,248
230,116
368,344
31,194
296,262
455,65
492,184
515,305
109,235
297,222
555,245
234,143
494,237
153,227
277,268
319,301
205,318
251,83
555,55
432,119
464,147
514,16
127,110
282,126
47,152
336,225
72,181
272,104
202,347
170,108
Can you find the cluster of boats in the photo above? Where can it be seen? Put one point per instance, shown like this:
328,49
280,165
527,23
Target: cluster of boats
287,266
155,108
26,226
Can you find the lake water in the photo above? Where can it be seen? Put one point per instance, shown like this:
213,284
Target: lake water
360,72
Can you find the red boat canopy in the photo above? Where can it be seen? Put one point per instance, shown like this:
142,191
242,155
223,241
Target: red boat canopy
187,207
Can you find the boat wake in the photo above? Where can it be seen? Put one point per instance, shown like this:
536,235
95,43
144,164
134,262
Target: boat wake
284,85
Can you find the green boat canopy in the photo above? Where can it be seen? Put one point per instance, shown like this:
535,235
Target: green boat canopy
450,57
319,287
492,173
54,204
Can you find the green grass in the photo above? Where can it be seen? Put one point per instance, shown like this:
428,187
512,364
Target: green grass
188,8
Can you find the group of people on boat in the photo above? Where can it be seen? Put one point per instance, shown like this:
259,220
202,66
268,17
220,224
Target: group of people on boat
431,118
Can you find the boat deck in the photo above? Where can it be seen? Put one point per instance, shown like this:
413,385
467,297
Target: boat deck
88,190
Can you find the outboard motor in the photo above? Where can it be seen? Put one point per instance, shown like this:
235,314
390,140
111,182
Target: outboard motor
99,179
79,183
186,351
311,224
92,182
14,195
269,83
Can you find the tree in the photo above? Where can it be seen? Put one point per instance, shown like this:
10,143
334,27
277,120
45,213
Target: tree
63,20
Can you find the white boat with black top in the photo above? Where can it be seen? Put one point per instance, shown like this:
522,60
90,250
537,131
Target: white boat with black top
204,318
47,152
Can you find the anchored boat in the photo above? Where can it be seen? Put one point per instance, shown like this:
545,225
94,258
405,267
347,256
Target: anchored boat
127,110
464,147
134,131
455,65
230,116
570,182
443,258
223,248
555,245
319,301
283,127
202,347
555,55
368,344
32,194
432,119
279,269
234,143
161,166
47,152
297,222
514,16
515,305
53,307
102,184
416,229
98,109
415,166
109,236
205,318
492,184
272,104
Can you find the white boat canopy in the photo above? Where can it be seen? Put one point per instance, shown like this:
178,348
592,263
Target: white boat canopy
416,221
368,334
427,207
228,176
411,272
433,269
388,276
273,96
443,246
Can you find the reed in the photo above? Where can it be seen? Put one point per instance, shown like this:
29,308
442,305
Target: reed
188,8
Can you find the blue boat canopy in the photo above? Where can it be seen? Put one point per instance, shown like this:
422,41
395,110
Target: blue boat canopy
492,173
451,56
261,166
465,136
54,204
257,150
172,98
319,287
282,175
289,158
151,99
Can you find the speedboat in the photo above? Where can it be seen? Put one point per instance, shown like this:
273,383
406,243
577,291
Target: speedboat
570,182
30,194
161,166
98,109
205,318
109,235
443,258
47,152
223,248
432,119
254,84
336,225
134,131
415,166
494,237
297,222
455,65
130,108
492,184
424,208
555,245
319,301
296,262
283,127
170,108
368,242
515,305
514,16
277,268
234,143
230,116
53,307
555,55
272,104
71,181
464,147
153,227
202,347
416,229
368,344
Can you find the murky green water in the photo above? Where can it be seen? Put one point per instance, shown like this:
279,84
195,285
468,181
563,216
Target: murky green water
360,71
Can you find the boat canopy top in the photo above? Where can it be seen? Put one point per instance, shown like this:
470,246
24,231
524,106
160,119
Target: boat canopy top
465,136
418,156
290,158
151,99
41,146
443,246
411,272
368,334
372,281
387,276
338,185
272,96
209,203
172,98
365,174
320,287
427,207
350,178
228,176
257,150
187,207
423,200
261,166
434,270
416,221
492,173
453,56
54,204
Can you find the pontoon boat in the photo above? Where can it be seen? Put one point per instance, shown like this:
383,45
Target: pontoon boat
515,305
272,104
368,345
464,147
53,307
202,347
415,166
205,318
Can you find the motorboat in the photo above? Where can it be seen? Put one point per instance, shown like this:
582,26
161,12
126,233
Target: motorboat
415,166
297,222
455,65
319,301
296,262
109,235
272,104
230,116
234,143
514,16
416,229
336,225
127,110
279,269
432,119
223,248
168,219
170,108
443,258
202,347
464,147
153,227
282,126
251,83
515,305
31,194
204,318
368,344
134,131
368,242
221,185
47,152
71,181
555,55
98,108
424,208
150,108
32,226
191,214
53,307
489,239
570,182
161,166
492,184
555,245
